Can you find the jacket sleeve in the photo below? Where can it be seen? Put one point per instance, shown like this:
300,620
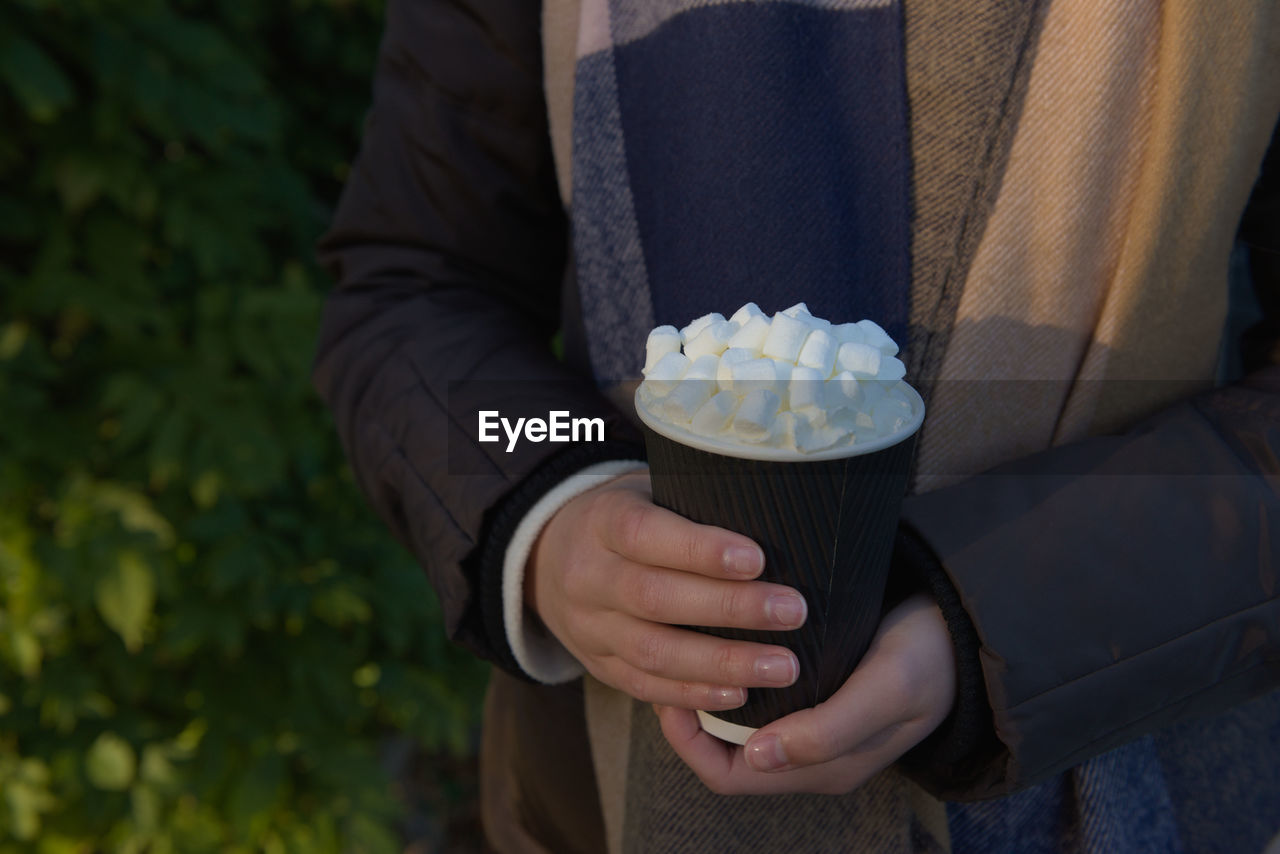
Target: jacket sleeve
1122,583
448,247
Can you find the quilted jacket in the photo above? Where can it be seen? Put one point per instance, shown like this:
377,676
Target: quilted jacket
1105,582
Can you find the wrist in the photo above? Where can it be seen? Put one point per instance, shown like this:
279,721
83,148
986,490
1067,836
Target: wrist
536,650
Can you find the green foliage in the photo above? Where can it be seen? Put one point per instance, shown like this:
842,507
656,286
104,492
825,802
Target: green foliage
204,634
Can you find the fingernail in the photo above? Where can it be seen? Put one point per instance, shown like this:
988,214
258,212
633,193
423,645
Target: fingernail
746,561
728,698
787,610
765,753
778,669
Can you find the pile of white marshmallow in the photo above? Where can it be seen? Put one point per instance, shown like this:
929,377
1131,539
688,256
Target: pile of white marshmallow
793,381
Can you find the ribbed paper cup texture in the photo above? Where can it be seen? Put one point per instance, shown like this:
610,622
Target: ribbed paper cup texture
827,529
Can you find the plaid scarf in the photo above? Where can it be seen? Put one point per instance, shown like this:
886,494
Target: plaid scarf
726,152
851,154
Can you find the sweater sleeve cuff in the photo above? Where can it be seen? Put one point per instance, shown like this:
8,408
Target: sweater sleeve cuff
966,738
536,650
499,530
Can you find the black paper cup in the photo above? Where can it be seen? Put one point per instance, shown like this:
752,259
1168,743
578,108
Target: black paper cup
826,523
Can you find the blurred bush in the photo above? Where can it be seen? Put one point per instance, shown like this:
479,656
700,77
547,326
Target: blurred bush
203,632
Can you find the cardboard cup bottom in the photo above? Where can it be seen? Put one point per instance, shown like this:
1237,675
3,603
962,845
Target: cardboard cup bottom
827,529
724,730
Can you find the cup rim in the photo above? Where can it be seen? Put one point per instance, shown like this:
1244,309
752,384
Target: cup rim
785,455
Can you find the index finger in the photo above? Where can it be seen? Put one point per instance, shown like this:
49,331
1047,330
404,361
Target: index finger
641,531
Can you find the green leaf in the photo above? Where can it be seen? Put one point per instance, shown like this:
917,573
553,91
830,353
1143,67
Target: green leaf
79,182
110,763
146,807
253,798
12,337
135,510
371,835
206,488
25,786
34,78
156,767
341,606
125,597
27,653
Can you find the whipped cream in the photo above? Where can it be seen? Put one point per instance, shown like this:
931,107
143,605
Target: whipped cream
782,386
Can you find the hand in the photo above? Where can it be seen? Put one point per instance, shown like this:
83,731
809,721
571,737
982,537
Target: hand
613,576
901,690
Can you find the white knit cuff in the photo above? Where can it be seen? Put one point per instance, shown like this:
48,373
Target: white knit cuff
537,651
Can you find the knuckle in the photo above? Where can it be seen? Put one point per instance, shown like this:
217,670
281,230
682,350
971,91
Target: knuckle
692,549
575,576
733,604
650,652
649,595
813,747
726,663
631,519
638,685
600,508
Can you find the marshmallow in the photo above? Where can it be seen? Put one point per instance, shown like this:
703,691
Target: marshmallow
712,340
861,360
864,427
786,336
789,381
668,371
783,371
754,419
889,414
843,391
794,429
891,370
729,358
805,389
849,332
800,311
716,414
748,311
756,375
703,368
878,338
819,351
872,391
663,340
695,327
685,399
818,437
787,428
752,335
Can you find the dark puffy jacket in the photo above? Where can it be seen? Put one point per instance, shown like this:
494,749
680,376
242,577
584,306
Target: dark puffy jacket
449,248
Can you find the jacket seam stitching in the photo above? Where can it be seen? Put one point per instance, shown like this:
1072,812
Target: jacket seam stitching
1270,661
448,414
397,454
1207,627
